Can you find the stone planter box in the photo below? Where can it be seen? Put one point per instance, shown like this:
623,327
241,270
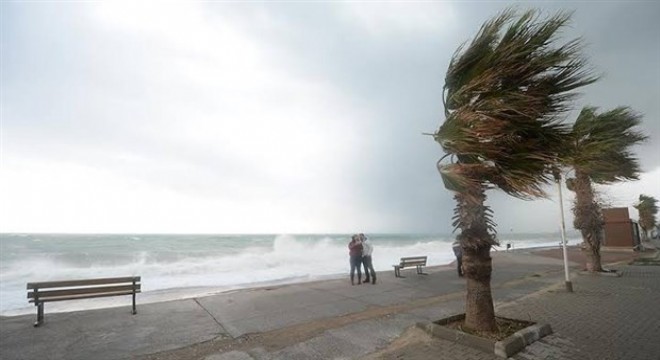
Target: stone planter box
502,348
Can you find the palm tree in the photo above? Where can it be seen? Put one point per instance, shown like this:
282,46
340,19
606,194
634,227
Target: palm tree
647,208
503,96
598,151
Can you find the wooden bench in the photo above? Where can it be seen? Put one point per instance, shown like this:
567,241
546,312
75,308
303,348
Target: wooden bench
80,289
407,262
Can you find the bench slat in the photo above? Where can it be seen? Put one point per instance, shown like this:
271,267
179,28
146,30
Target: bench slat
84,296
414,258
408,264
102,281
80,291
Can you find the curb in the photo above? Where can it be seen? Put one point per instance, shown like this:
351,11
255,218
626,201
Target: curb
612,273
520,339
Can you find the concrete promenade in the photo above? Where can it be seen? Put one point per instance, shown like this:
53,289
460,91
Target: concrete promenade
606,318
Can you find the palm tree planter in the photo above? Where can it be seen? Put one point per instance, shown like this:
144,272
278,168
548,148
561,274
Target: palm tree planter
503,94
514,335
603,272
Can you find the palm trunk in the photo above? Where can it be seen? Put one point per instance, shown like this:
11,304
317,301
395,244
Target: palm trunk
479,311
593,253
588,220
476,241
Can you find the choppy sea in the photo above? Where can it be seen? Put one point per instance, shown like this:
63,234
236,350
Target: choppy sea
179,266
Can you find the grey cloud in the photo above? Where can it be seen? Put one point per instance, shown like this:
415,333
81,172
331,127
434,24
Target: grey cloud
395,78
400,78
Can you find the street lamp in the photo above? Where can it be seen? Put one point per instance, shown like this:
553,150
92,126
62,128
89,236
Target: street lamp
569,284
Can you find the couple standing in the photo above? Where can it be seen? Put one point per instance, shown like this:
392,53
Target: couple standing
360,251
458,251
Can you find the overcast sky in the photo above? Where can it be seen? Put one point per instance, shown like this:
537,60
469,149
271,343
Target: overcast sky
278,117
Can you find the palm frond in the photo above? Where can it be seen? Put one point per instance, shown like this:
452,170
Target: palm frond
461,178
648,209
503,95
600,144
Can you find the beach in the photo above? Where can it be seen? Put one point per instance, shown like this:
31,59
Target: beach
318,319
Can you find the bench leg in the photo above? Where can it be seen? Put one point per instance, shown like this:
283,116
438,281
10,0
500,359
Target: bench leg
134,310
396,271
40,314
419,271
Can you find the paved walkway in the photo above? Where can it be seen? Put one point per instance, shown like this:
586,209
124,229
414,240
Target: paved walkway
605,318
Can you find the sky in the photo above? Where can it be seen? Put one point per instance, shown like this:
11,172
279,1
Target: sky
270,117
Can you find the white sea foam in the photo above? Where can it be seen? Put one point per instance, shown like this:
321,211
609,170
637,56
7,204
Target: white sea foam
175,268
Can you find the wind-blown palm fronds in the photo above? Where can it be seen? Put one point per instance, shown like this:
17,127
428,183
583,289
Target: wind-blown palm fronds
598,150
504,94
599,145
648,209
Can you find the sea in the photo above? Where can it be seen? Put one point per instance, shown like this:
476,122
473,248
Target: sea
182,266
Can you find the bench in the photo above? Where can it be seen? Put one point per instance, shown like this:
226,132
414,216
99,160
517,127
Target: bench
407,262
80,289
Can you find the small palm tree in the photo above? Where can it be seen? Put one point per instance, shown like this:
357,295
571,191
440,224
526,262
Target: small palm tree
503,95
648,209
598,151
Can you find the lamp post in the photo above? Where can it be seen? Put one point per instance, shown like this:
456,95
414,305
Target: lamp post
569,284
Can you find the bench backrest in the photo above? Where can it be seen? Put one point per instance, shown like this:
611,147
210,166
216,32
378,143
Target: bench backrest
82,289
413,261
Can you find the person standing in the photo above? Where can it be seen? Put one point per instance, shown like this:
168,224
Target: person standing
458,251
367,250
355,253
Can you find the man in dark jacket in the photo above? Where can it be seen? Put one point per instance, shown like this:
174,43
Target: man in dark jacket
458,251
